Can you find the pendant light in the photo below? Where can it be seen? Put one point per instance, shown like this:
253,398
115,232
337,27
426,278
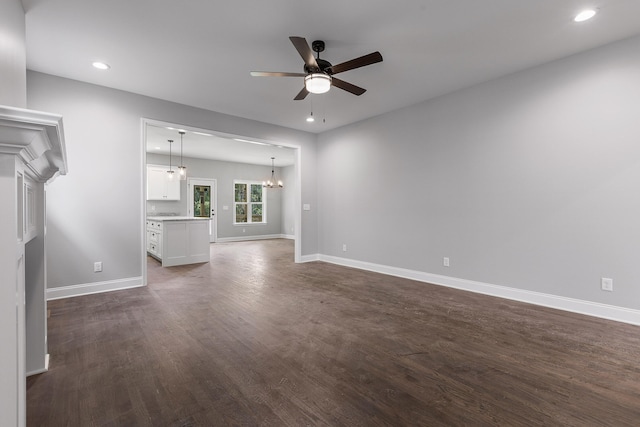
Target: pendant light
272,183
310,118
170,171
182,169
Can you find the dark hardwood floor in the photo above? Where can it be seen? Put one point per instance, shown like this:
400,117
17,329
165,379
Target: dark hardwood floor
252,339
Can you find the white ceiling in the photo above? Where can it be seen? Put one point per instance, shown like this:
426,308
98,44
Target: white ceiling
202,144
200,52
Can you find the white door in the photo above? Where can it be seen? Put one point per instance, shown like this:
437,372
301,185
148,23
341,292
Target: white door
202,201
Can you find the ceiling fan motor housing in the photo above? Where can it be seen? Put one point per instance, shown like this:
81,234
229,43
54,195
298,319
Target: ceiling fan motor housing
318,46
323,64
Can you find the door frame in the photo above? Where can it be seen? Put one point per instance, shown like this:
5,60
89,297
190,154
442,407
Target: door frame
213,219
297,187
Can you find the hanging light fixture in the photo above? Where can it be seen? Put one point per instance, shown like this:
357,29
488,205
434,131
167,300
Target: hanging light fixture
310,118
170,172
272,183
317,82
182,169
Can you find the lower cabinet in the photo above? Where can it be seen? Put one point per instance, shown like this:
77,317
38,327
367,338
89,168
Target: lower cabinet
178,242
154,239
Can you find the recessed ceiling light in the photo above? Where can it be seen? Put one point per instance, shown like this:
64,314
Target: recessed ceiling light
202,133
585,15
101,65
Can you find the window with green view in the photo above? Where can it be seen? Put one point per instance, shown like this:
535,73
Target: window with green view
249,203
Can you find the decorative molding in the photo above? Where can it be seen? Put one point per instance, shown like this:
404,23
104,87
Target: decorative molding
36,138
93,288
604,311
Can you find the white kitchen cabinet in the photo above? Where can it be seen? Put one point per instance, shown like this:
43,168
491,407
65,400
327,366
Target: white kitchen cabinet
31,154
159,186
178,240
154,239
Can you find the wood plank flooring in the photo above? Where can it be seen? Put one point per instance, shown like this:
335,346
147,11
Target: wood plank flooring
252,339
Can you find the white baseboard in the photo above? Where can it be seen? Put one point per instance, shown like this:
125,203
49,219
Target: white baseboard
610,312
310,258
248,238
43,370
93,288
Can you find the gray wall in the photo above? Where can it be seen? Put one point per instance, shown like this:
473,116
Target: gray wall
13,57
530,181
225,173
287,175
95,212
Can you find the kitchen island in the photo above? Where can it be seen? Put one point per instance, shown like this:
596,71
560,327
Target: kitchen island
178,240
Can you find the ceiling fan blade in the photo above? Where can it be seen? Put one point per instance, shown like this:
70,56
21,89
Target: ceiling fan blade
275,74
369,59
356,90
302,94
301,45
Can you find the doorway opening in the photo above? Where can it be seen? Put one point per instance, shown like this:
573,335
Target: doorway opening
213,160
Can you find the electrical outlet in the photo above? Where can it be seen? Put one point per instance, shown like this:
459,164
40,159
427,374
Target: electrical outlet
97,266
153,208
243,230
445,261
344,247
606,284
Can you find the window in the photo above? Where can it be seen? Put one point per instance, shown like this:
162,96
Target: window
249,205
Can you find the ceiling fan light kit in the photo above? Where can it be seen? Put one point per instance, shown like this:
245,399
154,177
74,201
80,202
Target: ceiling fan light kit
318,73
317,82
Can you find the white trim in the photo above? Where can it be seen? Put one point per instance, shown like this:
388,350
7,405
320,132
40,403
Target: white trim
610,312
42,370
93,288
248,238
288,236
310,258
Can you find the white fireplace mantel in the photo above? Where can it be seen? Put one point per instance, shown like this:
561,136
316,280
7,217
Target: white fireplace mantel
32,152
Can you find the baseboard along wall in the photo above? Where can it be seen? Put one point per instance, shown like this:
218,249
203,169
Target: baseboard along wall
604,311
93,288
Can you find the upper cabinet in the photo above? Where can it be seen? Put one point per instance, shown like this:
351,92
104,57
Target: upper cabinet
159,186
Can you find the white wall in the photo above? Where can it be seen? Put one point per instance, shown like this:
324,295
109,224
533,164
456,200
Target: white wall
13,57
13,91
95,212
530,181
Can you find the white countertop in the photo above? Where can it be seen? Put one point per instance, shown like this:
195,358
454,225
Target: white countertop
176,218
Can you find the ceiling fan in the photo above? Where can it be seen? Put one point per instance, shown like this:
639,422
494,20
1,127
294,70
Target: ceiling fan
319,73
